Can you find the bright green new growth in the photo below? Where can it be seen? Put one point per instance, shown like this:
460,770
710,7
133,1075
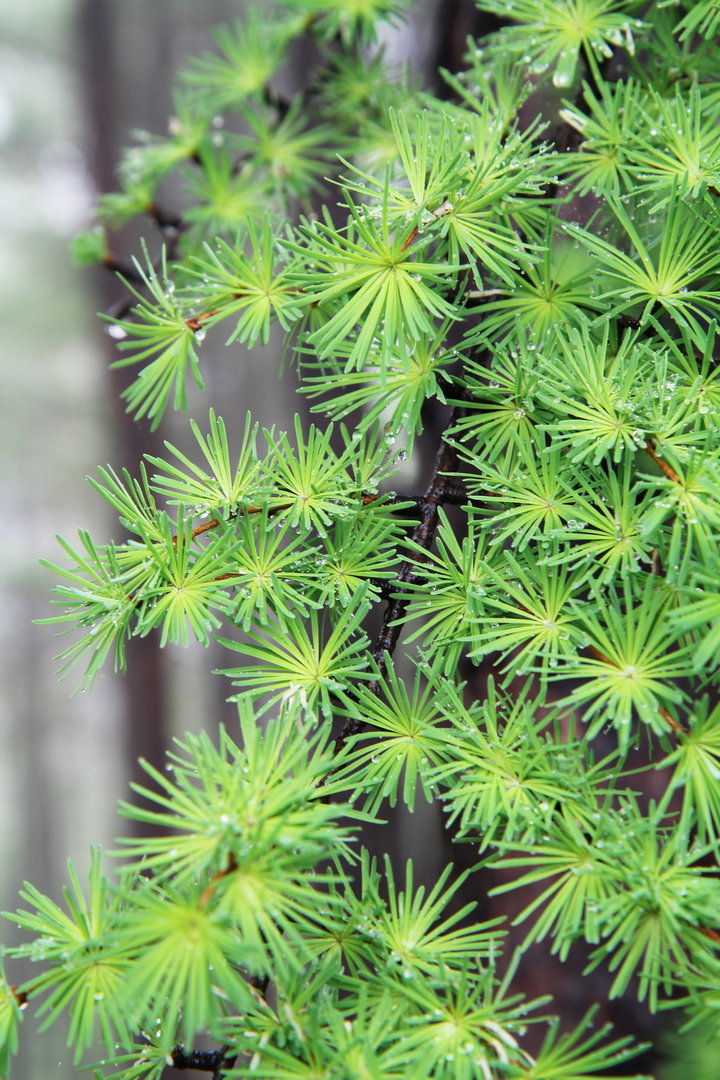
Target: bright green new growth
550,288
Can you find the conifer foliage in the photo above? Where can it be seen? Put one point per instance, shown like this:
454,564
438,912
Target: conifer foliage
537,252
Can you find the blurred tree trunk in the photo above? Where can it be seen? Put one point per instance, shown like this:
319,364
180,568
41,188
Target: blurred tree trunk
106,76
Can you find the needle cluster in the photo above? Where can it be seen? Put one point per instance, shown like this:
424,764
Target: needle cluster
534,260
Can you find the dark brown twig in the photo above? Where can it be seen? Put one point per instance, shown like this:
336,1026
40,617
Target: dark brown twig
212,1061
661,464
438,492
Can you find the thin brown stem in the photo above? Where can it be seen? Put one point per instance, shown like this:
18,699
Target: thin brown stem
410,239
195,323
213,523
209,890
667,469
672,722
